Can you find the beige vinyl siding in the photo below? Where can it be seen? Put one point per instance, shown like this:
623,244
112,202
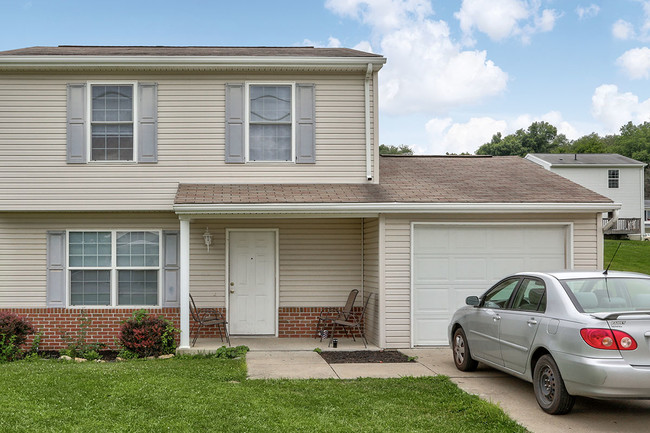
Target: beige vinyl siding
23,246
371,277
397,262
191,112
320,260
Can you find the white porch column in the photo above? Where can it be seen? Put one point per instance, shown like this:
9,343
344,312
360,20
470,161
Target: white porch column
185,284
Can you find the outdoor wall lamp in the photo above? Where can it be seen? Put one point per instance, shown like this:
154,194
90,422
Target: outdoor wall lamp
207,238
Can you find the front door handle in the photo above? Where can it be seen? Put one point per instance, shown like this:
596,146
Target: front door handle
232,287
496,318
532,322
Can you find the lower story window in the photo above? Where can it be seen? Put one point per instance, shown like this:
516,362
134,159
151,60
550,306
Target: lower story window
114,268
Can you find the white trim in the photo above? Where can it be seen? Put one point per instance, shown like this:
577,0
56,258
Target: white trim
277,270
366,95
113,269
381,257
247,85
347,208
568,251
184,295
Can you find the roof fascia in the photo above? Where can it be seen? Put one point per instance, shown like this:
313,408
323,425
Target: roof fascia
617,165
375,208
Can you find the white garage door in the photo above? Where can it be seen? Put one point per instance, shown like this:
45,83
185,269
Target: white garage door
451,262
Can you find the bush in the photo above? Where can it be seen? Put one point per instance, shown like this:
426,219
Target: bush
13,334
78,347
147,335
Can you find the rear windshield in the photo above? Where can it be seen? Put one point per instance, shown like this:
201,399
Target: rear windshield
595,295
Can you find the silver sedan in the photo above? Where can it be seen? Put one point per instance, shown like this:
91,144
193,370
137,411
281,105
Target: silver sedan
569,333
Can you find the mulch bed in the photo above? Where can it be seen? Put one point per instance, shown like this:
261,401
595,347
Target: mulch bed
106,355
362,356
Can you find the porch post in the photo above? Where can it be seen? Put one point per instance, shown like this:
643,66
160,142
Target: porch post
185,284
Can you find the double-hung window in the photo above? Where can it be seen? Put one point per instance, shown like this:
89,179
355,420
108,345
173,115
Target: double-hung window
114,268
612,178
270,132
112,126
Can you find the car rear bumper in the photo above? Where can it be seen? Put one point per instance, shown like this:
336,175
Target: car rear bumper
603,378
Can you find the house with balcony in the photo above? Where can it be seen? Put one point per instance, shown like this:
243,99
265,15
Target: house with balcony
612,175
250,178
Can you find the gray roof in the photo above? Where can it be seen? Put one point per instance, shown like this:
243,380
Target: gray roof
78,50
414,179
586,159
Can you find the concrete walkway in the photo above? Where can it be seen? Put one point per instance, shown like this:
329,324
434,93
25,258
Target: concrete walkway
514,396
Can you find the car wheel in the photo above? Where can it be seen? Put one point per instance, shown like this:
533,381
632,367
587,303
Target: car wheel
462,355
549,388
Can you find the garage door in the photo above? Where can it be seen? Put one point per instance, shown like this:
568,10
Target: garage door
451,262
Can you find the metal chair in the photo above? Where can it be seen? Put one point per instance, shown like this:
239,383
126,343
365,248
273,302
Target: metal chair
327,315
353,322
208,317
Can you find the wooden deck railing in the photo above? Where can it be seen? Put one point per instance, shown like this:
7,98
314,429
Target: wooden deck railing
623,226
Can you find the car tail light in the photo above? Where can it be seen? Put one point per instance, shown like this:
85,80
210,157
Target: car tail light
608,339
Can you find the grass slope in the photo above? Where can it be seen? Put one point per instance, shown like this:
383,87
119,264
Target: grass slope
632,255
213,395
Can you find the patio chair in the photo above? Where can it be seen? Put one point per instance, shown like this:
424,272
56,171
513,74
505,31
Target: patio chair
353,322
208,317
327,315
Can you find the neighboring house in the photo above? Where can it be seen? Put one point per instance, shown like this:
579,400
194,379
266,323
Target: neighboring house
647,216
131,177
615,176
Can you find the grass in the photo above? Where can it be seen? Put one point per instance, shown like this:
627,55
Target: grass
186,395
632,255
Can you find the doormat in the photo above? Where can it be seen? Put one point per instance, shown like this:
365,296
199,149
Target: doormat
363,356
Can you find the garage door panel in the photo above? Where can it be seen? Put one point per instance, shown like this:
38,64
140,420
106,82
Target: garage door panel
453,262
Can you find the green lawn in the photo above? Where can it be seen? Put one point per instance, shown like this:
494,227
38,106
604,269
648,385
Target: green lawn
213,395
632,255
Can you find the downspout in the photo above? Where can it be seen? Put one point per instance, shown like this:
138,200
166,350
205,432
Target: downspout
611,222
368,140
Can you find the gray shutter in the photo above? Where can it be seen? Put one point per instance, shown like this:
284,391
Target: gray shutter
305,124
55,279
235,123
76,129
148,122
171,268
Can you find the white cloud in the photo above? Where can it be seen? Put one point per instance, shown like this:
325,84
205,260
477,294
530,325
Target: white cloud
623,30
426,71
363,46
332,42
636,62
614,109
501,19
446,136
587,11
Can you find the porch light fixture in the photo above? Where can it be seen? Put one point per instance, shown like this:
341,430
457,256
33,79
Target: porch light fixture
207,238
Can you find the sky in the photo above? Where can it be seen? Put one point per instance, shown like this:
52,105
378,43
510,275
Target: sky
457,71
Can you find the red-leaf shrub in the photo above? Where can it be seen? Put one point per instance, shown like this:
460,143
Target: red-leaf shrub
12,324
146,335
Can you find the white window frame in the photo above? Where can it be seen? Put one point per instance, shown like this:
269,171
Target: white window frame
613,174
89,116
247,101
113,268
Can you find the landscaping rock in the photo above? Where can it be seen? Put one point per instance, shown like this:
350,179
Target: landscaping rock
170,355
80,360
65,358
119,359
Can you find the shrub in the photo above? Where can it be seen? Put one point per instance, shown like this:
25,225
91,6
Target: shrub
78,347
147,335
13,334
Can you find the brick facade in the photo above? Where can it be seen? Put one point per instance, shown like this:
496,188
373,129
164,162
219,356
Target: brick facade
104,327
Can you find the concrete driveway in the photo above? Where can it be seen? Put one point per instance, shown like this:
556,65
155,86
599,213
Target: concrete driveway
516,398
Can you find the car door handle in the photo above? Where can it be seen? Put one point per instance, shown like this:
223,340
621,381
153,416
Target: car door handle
496,318
532,322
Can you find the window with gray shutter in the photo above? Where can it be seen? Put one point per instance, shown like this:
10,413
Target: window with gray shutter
305,124
171,268
55,277
76,128
235,123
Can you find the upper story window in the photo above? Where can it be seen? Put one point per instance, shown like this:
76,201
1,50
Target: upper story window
112,128
270,123
612,178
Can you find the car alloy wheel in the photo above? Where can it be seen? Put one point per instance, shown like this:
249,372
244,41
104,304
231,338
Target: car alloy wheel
460,349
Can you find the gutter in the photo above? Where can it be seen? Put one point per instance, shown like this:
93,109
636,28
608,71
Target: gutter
390,208
367,119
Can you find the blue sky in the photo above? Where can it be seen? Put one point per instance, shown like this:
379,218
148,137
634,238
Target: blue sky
458,71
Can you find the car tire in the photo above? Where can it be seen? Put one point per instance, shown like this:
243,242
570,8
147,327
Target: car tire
550,392
461,353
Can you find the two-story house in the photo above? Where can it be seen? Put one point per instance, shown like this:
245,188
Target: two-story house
132,177
612,175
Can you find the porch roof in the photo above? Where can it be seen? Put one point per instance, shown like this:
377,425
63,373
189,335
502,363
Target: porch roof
413,179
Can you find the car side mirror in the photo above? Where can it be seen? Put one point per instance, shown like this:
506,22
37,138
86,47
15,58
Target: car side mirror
473,301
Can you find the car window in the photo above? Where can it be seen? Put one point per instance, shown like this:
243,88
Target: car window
597,295
499,295
531,296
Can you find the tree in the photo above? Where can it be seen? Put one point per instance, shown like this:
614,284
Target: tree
540,137
402,149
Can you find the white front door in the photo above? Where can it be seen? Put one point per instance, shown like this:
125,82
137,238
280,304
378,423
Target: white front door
252,285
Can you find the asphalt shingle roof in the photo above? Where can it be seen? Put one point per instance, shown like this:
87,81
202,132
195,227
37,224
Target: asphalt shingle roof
414,179
586,159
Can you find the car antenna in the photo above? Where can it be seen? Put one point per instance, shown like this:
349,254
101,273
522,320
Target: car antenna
612,259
